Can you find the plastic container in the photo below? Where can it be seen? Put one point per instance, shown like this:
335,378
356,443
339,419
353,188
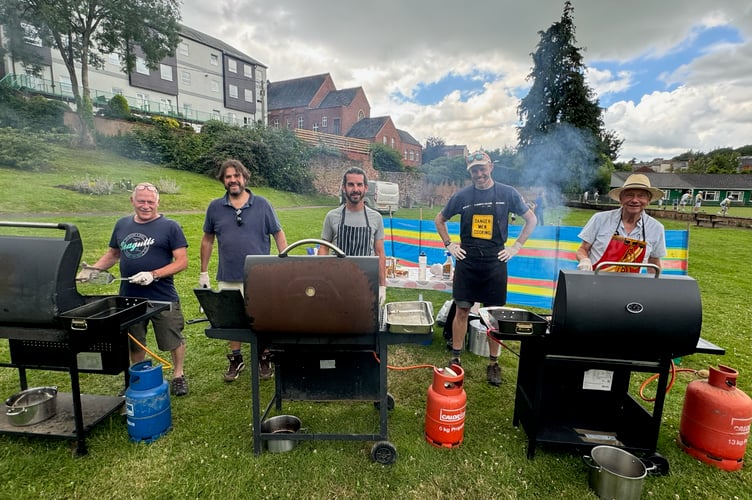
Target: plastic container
422,265
446,269
147,403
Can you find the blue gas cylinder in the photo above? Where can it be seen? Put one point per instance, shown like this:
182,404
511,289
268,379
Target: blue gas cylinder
147,403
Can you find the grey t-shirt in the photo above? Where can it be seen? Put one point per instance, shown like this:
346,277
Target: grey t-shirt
355,236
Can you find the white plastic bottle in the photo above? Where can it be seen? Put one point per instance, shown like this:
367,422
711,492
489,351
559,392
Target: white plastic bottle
422,264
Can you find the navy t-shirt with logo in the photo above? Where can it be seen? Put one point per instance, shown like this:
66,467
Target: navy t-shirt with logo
146,247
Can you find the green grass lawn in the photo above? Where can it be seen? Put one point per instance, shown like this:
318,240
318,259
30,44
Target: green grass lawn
209,452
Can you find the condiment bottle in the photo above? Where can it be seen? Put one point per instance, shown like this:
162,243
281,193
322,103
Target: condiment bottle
446,270
422,263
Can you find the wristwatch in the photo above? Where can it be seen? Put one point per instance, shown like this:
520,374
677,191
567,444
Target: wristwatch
447,243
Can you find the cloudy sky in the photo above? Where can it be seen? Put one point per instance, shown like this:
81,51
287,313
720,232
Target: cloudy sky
673,75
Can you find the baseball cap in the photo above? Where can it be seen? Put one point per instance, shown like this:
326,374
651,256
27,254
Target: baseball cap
479,157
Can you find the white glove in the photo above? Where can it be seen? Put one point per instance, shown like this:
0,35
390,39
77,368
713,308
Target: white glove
87,272
585,265
508,252
382,296
203,280
456,250
143,278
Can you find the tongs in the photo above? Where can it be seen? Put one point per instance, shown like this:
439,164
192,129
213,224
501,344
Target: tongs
99,277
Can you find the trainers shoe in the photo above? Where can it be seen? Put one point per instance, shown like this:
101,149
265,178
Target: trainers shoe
266,368
454,361
493,374
236,366
179,386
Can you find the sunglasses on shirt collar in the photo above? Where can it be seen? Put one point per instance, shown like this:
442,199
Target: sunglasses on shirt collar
238,218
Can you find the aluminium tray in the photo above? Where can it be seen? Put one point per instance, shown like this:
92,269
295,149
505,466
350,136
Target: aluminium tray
409,317
513,321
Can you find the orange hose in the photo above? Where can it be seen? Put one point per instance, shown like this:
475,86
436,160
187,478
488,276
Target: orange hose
413,367
674,371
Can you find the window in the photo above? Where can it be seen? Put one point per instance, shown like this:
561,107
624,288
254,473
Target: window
412,155
232,118
233,90
323,122
392,141
165,72
214,59
248,95
116,91
65,85
361,114
247,71
216,114
141,66
232,65
275,123
287,124
385,140
404,154
711,196
315,127
188,110
113,59
184,50
736,195
165,106
185,77
142,101
214,86
300,122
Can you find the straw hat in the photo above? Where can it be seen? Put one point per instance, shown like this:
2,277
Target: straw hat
637,181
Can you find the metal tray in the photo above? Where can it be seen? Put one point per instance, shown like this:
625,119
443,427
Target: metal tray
104,315
513,320
409,317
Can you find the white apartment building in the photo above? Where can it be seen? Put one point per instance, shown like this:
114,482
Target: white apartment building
206,79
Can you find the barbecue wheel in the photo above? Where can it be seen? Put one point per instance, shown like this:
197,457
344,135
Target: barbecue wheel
384,453
389,403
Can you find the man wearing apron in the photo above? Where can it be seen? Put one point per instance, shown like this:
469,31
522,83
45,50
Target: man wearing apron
626,234
354,228
481,269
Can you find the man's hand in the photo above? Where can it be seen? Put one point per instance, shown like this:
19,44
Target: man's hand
585,265
143,278
203,280
509,252
456,250
382,296
87,273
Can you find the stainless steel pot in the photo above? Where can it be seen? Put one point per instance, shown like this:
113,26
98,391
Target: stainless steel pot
31,406
282,424
615,473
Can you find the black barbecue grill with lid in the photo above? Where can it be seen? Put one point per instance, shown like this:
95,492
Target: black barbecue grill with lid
50,326
573,380
319,317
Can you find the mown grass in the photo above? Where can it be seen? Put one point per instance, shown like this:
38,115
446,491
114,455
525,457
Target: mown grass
209,453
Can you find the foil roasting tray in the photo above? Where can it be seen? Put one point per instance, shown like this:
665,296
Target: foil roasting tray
409,317
513,320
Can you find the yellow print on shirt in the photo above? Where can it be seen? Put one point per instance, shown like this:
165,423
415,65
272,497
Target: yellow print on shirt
482,226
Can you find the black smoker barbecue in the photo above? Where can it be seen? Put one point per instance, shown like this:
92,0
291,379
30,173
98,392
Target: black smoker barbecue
50,326
573,380
319,317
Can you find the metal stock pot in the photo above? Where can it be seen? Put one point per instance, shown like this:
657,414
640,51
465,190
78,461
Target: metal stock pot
31,406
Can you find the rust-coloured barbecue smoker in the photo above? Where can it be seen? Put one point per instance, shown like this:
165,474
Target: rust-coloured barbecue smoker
50,326
319,317
573,377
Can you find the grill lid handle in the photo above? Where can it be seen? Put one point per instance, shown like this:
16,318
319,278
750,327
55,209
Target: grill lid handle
312,241
630,264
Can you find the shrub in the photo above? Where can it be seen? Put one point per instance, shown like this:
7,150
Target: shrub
167,186
24,150
118,107
97,185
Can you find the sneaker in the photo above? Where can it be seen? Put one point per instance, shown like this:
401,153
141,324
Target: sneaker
454,361
266,368
493,374
179,386
236,366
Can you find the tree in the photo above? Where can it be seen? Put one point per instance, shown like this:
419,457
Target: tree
562,137
386,159
83,31
433,149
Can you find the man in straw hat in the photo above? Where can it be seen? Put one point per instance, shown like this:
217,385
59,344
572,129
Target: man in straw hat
626,234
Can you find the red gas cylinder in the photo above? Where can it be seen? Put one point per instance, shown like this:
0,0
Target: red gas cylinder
445,408
716,419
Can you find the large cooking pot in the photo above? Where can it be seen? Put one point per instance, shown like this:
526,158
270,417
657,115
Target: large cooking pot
31,406
615,473
281,424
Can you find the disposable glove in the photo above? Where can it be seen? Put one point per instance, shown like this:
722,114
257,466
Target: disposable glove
585,265
508,253
87,272
456,250
143,278
203,280
382,296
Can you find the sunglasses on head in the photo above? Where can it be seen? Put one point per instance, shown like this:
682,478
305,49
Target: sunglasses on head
141,187
238,218
476,156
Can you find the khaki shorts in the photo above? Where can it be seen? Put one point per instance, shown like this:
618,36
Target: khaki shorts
168,329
